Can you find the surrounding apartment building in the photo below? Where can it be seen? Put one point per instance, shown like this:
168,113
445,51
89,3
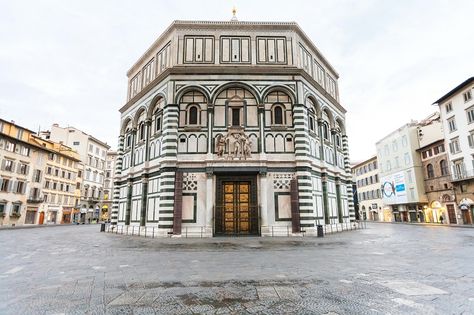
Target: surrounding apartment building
437,180
108,185
401,174
457,115
38,178
59,183
20,175
368,191
92,153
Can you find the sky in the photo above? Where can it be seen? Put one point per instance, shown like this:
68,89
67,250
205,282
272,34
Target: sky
65,62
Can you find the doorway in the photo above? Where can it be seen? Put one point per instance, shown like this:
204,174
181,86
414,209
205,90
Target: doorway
451,214
236,211
41,218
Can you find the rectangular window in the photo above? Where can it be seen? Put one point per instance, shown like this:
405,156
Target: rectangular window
448,107
10,147
25,151
320,73
16,208
76,143
235,116
22,169
407,158
454,146
470,115
5,186
163,58
198,49
452,124
235,49
20,187
148,72
470,139
134,86
271,50
8,165
467,96
19,134
37,176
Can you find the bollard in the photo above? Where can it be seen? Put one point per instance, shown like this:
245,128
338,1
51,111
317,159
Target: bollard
320,231
102,227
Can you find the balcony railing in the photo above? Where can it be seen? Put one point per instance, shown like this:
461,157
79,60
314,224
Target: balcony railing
35,199
465,175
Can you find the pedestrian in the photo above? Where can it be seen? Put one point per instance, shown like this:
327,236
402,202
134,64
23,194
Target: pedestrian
441,219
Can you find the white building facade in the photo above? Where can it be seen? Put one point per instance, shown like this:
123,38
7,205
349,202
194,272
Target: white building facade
457,115
401,174
232,128
368,190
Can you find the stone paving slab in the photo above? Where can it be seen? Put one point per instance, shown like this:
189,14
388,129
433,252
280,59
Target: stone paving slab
388,269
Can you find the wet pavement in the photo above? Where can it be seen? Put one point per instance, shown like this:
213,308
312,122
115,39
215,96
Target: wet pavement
386,268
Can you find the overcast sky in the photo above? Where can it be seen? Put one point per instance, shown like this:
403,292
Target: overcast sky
66,61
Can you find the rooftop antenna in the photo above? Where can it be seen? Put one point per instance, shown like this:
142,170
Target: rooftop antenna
234,17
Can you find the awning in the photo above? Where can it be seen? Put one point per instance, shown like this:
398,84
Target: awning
465,203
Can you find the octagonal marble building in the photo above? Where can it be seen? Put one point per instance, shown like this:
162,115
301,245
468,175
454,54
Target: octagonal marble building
232,128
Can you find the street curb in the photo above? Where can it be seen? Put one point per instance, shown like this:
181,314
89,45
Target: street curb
427,224
23,227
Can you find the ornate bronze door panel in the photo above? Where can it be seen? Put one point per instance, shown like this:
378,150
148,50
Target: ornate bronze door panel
236,209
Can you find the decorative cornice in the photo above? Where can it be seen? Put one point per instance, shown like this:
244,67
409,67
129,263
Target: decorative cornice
190,70
232,25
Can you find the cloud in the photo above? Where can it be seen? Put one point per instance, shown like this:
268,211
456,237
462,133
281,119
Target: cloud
65,61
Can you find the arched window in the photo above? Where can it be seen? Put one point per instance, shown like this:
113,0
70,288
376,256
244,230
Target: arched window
193,115
430,170
157,123
338,141
278,115
142,131
128,138
325,131
444,167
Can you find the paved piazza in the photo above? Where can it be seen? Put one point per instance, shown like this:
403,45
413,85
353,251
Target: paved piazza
385,268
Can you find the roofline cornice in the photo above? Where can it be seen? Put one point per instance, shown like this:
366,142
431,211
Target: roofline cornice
176,25
211,70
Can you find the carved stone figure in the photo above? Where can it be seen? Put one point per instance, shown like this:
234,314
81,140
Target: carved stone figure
237,150
236,143
247,148
220,145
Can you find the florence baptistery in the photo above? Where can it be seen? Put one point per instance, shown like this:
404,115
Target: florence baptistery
232,128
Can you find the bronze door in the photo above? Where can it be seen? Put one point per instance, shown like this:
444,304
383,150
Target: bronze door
236,210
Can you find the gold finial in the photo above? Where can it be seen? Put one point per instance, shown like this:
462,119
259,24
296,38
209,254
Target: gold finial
234,12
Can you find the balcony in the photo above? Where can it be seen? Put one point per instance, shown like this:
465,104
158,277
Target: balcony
465,175
34,199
